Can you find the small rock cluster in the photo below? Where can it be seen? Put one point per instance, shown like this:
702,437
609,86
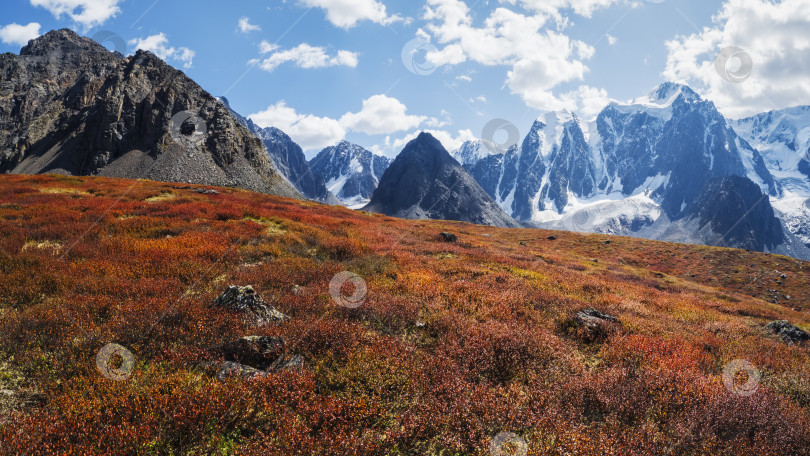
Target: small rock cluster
251,356
206,191
592,317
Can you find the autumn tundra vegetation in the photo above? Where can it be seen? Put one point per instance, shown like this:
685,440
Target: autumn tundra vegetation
572,344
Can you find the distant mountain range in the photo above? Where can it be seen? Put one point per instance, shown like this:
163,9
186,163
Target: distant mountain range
652,168
665,166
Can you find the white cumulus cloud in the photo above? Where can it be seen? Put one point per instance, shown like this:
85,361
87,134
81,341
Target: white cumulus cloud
539,58
19,34
246,27
88,13
381,115
583,8
159,45
310,132
776,36
304,56
347,13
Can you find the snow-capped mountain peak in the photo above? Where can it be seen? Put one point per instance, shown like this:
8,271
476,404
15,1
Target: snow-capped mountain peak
473,151
350,171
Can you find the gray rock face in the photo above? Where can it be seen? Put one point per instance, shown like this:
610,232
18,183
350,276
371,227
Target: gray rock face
426,182
736,209
351,172
68,105
788,332
244,300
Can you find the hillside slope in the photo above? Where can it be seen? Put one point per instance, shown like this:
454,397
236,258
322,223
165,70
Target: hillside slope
453,345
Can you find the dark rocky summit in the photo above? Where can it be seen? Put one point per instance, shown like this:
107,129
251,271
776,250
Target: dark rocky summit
736,210
424,181
70,106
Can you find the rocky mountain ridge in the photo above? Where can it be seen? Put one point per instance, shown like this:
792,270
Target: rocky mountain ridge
70,106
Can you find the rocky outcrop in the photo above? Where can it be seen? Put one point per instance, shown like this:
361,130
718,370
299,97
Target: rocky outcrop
591,317
591,325
252,357
260,352
789,333
448,237
245,301
70,106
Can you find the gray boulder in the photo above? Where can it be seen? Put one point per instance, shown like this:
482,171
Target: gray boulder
244,300
788,332
591,317
448,237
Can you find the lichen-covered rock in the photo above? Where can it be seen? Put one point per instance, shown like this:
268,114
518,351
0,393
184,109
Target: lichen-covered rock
244,300
788,332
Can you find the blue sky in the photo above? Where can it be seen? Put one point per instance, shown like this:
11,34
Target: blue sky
325,70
